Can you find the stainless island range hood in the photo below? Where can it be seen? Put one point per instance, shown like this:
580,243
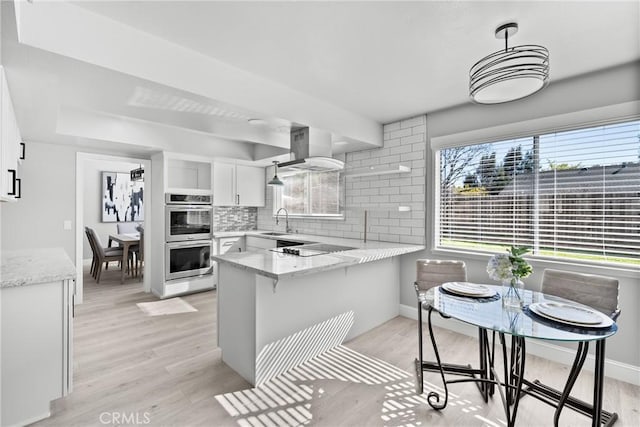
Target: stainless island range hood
311,151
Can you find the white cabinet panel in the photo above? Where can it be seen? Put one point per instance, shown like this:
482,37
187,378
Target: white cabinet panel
238,185
250,185
37,352
188,175
10,184
231,244
224,176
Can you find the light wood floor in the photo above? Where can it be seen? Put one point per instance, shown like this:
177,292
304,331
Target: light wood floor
166,371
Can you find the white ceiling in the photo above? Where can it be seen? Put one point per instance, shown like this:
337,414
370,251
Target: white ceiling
345,66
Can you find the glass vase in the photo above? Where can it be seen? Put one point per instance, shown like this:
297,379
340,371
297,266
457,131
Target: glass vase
512,293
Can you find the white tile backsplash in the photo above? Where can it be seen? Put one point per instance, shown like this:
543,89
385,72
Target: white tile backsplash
405,144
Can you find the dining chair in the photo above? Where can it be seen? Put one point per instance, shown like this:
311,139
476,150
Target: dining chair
598,292
429,274
137,252
102,255
127,227
595,291
93,252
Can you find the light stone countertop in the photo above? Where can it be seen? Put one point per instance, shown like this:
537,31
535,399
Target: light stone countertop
278,265
32,266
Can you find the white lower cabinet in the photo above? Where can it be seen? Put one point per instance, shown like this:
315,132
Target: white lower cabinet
37,353
231,244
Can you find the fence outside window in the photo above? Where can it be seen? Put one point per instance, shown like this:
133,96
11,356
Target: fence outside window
572,194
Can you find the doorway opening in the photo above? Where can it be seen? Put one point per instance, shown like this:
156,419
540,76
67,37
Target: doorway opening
102,206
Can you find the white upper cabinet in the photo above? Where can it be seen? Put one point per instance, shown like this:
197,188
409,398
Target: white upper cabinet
224,180
187,175
10,146
238,185
250,185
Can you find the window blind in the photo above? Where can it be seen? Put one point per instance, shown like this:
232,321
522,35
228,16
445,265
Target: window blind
570,194
313,194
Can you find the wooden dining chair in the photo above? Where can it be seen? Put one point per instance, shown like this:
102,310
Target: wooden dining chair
94,258
137,253
102,255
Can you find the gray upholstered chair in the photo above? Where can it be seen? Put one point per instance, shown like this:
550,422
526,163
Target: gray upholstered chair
599,292
432,272
127,227
429,274
101,255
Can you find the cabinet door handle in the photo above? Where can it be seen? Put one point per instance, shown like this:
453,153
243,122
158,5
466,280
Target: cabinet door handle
24,150
19,182
237,199
13,182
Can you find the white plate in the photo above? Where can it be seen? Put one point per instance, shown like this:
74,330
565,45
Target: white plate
468,289
571,314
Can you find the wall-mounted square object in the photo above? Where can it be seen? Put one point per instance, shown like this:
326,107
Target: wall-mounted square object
122,198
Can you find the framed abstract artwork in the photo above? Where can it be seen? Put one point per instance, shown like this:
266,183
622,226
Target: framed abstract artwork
122,199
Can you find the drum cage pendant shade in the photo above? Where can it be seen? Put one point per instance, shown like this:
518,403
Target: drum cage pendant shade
509,74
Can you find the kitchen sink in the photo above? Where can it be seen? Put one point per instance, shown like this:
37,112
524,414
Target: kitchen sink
270,233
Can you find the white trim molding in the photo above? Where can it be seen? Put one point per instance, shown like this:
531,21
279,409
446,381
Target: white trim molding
574,120
613,369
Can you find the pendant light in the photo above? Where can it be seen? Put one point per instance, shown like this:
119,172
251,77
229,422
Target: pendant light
137,174
275,180
509,74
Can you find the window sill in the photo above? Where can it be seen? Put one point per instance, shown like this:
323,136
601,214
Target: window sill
537,262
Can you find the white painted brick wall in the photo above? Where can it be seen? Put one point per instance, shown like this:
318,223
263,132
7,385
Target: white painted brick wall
404,144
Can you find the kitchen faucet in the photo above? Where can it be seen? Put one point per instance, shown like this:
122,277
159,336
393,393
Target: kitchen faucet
286,213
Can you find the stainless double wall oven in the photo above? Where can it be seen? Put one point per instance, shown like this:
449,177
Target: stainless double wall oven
188,236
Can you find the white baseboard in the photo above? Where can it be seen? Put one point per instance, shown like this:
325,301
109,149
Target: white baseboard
32,420
613,369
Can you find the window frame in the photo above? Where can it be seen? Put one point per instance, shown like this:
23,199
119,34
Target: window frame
536,127
277,199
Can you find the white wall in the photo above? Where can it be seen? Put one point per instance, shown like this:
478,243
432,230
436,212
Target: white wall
48,199
609,87
92,204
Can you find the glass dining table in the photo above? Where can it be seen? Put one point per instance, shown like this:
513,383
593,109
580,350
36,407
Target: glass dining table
490,316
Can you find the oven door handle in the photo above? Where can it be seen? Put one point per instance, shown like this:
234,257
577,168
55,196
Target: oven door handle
179,207
186,244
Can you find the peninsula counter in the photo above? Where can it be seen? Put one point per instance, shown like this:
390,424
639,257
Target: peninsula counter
277,310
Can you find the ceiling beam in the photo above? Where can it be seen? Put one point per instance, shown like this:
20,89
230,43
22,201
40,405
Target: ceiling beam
70,30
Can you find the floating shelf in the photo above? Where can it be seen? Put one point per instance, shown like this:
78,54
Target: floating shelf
376,170
382,208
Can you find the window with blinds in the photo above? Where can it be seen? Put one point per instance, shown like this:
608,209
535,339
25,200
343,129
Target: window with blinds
312,194
570,194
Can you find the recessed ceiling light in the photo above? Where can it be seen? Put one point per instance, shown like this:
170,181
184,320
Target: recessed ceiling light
256,122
